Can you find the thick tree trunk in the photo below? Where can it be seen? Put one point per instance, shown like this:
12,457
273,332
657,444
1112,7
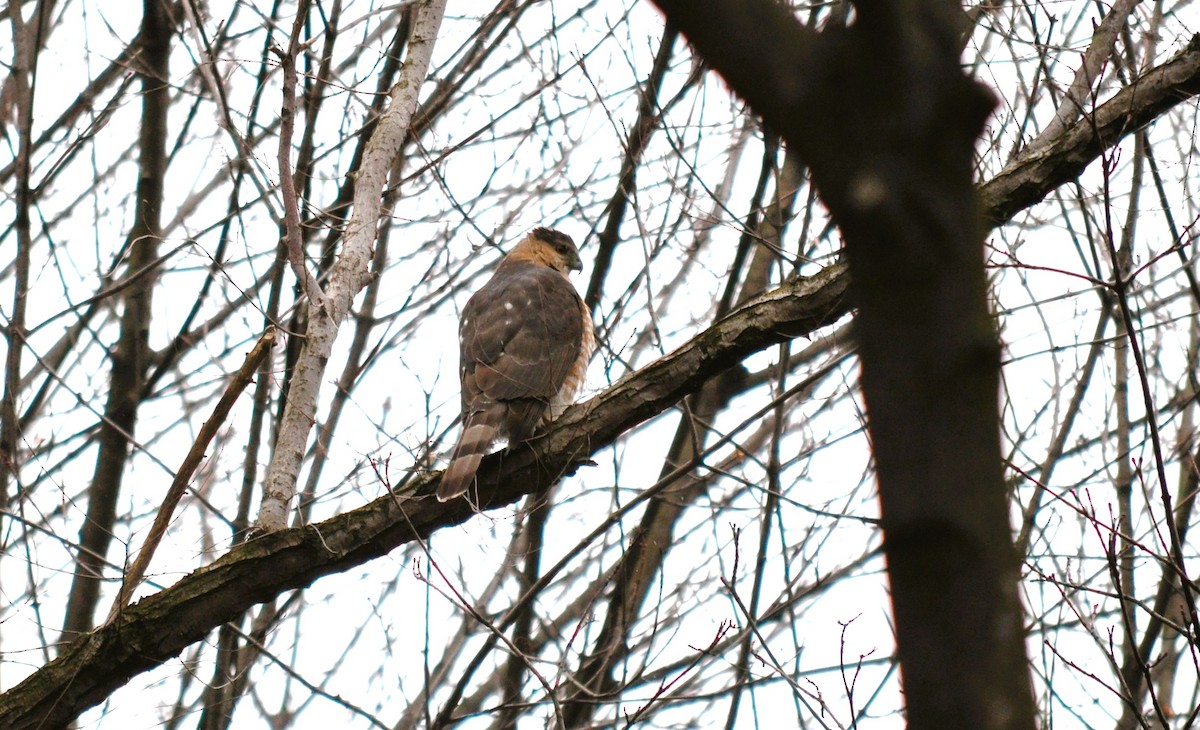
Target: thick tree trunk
887,121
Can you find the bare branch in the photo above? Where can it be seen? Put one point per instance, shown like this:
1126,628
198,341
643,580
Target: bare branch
350,273
1076,102
293,239
242,378
162,625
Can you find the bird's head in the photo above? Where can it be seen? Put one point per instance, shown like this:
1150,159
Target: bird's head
548,247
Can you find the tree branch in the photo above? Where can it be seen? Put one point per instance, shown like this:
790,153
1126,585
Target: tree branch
1032,176
350,273
162,625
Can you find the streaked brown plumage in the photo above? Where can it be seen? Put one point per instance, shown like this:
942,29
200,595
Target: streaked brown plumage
525,339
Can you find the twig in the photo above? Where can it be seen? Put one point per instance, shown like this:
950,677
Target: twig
133,577
287,182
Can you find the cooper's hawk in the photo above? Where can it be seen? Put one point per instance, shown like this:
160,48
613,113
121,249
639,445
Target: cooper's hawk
524,343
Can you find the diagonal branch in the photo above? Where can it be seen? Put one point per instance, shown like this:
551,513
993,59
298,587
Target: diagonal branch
183,477
1034,174
1091,69
162,625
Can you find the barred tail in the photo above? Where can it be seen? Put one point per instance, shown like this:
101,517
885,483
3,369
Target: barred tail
478,434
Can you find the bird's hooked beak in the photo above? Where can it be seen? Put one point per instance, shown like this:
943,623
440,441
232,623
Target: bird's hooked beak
574,264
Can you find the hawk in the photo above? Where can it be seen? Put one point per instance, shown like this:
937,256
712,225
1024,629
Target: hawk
525,339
